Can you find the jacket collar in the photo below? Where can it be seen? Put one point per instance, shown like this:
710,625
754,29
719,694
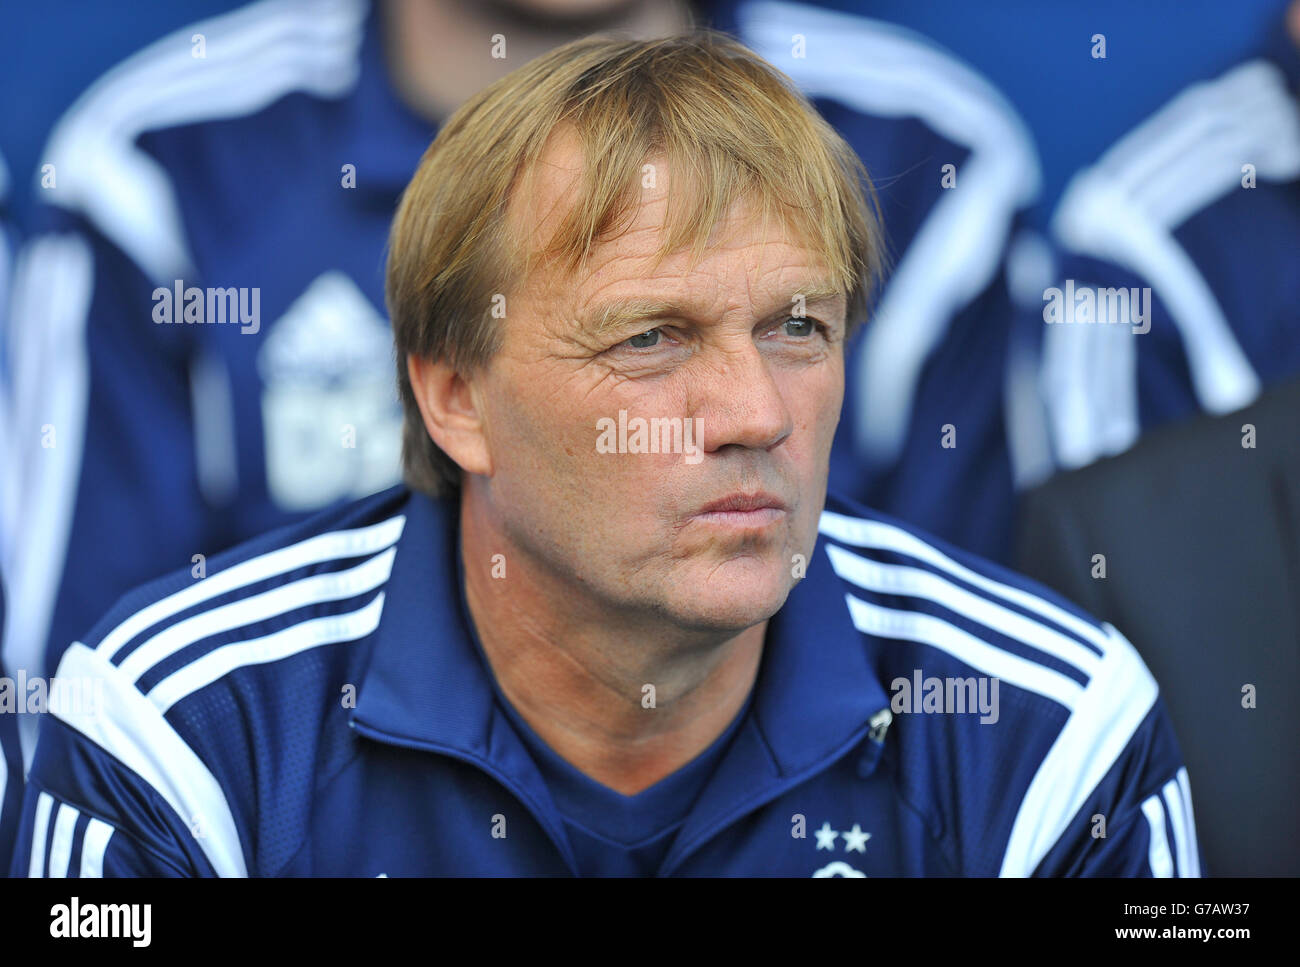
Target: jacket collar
427,684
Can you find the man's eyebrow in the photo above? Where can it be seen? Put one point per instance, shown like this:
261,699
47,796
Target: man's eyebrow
818,292
620,314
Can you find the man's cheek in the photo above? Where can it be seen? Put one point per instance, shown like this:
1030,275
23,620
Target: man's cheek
828,415
564,442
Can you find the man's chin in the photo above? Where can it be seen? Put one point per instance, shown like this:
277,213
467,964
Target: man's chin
731,605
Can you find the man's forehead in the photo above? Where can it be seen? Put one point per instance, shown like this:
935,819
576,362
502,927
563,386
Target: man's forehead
549,187
624,275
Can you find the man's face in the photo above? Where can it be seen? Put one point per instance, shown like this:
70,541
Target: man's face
630,534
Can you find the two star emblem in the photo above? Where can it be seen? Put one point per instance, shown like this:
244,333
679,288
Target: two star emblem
855,840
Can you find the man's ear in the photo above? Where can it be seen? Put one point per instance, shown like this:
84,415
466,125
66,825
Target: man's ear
452,415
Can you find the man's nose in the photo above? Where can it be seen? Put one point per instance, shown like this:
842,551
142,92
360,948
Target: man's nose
740,403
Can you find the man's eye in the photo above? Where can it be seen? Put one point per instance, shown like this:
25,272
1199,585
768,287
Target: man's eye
798,326
644,340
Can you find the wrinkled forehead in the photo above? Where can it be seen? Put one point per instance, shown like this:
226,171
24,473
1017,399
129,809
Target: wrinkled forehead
548,190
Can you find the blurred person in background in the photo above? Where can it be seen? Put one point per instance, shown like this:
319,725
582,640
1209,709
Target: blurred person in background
1197,212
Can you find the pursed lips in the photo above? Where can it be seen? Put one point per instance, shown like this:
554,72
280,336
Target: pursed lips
751,510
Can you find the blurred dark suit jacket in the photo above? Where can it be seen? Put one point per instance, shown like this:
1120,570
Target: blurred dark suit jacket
1202,545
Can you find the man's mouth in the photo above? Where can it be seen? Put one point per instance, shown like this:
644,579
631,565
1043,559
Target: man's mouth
743,510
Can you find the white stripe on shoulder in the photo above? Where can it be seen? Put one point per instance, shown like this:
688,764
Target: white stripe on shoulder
93,846
252,57
1096,220
1159,858
915,582
965,647
1098,731
317,589
858,532
292,640
1194,853
1190,152
52,295
40,829
129,728
1184,838
1125,208
65,823
1093,403
887,71
334,545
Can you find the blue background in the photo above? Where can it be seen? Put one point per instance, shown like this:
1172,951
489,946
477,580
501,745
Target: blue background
1038,52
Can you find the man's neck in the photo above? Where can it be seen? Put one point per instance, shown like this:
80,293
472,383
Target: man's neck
581,683
441,52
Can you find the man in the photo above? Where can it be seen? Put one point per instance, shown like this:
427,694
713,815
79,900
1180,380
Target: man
609,629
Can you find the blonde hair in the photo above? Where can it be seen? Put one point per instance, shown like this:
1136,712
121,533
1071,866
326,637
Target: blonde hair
729,125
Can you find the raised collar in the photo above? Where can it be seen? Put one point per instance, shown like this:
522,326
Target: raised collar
427,685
